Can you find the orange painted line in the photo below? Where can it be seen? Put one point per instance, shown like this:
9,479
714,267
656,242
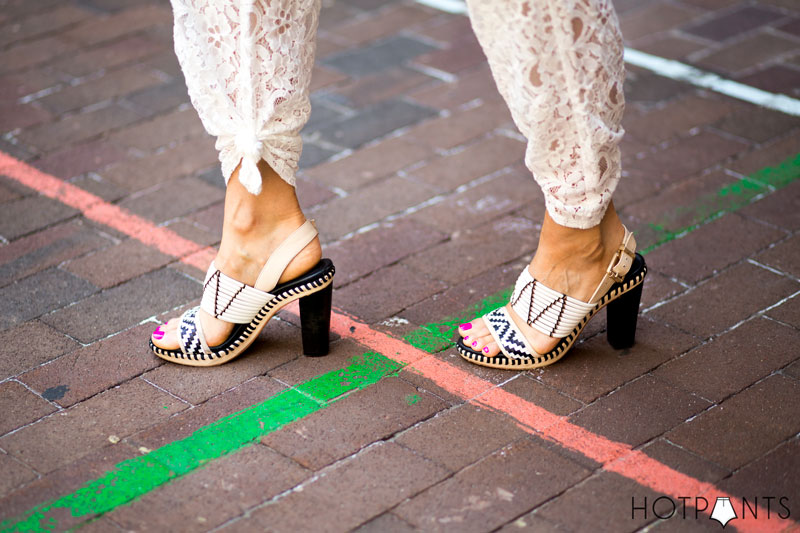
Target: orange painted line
95,208
613,456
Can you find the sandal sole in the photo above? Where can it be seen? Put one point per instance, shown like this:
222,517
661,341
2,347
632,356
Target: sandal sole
244,334
503,362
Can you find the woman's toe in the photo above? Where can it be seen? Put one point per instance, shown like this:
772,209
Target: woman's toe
166,340
490,349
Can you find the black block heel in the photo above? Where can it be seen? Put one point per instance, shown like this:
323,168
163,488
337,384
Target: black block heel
315,321
621,317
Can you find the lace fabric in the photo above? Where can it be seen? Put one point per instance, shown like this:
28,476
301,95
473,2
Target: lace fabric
559,67
247,66
557,63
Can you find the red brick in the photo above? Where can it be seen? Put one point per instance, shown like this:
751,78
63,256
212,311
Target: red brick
32,53
447,30
775,79
788,312
77,160
770,474
48,345
375,480
110,55
461,126
761,410
354,422
92,369
780,209
707,310
464,54
370,204
30,214
732,23
76,128
604,501
183,159
369,164
653,19
473,84
386,522
123,306
47,248
667,453
164,130
784,256
369,90
20,406
677,118
593,368
65,481
225,488
14,475
14,116
463,435
686,157
670,47
303,369
59,440
15,86
639,411
387,22
183,424
278,343
175,198
499,196
105,28
754,50
734,360
398,287
766,156
480,498
40,24
323,77
473,251
710,249
116,264
646,88
477,160
114,84
380,247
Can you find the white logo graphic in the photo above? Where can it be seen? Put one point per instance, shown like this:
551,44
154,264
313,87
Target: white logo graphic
723,511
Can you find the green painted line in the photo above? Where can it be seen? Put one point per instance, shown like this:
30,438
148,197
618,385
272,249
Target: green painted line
437,336
133,478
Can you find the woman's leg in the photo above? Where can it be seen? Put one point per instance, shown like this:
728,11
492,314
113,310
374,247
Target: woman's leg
248,67
559,66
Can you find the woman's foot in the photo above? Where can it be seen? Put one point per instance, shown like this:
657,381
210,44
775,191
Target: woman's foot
252,229
570,261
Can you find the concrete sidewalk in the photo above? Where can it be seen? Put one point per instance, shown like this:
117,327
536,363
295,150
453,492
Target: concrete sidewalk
111,194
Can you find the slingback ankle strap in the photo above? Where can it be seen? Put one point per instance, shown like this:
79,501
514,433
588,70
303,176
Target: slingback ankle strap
283,255
618,267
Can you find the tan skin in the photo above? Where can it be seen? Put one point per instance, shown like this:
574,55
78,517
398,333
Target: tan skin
253,226
569,260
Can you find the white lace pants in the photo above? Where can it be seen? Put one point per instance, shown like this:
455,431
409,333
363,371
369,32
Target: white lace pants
557,63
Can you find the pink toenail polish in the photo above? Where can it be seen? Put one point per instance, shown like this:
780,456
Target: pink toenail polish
158,335
466,337
466,326
474,344
485,349
158,330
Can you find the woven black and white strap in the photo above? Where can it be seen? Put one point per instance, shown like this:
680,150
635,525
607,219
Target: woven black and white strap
191,337
508,337
231,300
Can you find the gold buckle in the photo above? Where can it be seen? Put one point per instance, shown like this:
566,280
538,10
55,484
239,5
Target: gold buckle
615,261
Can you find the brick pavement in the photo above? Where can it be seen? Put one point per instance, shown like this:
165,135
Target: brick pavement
91,94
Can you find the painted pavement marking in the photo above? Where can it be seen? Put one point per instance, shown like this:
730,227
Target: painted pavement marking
129,480
675,70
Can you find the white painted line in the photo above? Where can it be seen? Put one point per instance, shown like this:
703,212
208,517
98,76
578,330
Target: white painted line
675,70
449,6
700,78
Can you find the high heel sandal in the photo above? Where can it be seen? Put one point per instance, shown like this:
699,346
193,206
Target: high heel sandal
251,307
561,316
